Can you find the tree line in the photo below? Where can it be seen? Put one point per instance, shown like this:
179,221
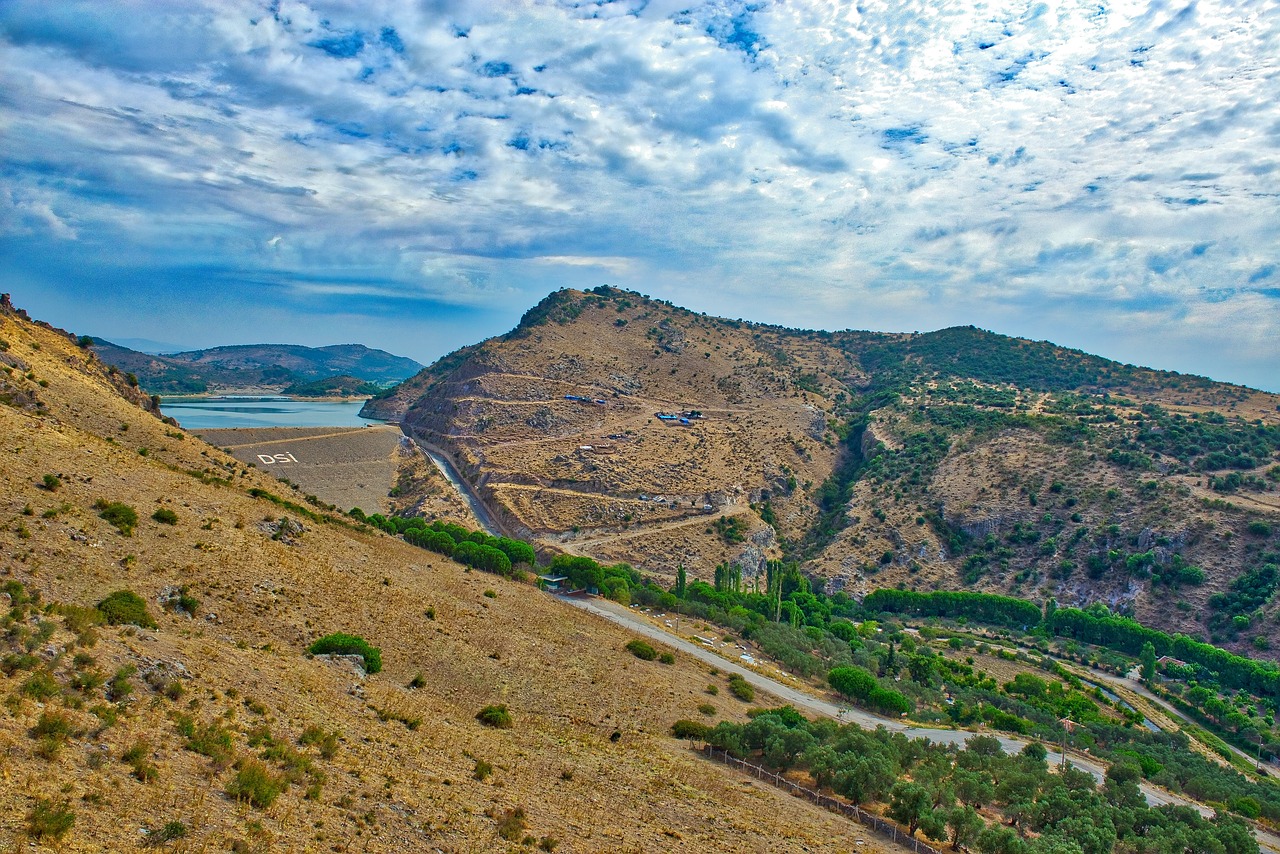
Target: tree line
947,793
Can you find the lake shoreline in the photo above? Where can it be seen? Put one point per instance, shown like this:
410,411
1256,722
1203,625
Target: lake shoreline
222,411
259,394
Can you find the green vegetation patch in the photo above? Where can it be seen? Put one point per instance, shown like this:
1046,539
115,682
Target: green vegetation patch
255,784
165,516
642,650
124,607
344,644
496,716
122,516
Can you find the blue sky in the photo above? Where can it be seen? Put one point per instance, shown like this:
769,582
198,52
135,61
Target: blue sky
414,175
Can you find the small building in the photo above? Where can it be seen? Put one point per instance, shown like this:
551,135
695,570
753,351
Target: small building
553,583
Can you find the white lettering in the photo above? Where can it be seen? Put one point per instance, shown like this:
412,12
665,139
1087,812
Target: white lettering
266,459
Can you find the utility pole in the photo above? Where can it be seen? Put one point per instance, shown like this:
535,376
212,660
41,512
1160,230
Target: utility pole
1067,725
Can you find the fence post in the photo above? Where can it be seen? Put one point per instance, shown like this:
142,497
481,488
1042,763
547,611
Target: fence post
874,823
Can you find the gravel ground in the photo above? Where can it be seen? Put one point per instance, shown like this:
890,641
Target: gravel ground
346,467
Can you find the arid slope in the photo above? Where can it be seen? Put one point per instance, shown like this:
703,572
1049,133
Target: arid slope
953,459
130,729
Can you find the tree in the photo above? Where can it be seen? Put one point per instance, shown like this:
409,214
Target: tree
973,788
853,682
1148,660
682,581
921,669
910,803
965,825
1000,840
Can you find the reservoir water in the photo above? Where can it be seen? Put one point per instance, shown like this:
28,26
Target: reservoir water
211,413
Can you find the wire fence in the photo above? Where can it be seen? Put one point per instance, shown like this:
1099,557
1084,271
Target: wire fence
874,823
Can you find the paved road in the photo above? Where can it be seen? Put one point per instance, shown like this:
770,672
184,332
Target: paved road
802,699
1130,683
806,701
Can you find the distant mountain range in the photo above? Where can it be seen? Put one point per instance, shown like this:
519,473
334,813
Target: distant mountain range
276,366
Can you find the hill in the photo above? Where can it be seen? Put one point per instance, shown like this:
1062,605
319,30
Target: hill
339,386
198,716
273,366
625,428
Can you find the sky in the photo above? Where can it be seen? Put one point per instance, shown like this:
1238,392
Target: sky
413,176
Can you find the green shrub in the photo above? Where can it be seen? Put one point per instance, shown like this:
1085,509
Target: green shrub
87,681
120,687
50,819
667,658
53,727
642,650
210,740
51,482
313,735
165,516
15,661
122,516
741,688
482,770
692,730
79,619
707,709
344,644
124,607
255,784
136,758
41,686
172,830
1247,806
183,602
495,716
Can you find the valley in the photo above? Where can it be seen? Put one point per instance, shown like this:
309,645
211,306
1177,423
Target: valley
236,601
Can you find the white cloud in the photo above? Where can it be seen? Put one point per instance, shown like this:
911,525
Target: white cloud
900,164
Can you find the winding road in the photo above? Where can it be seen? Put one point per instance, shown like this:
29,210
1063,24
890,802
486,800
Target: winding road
806,701
802,699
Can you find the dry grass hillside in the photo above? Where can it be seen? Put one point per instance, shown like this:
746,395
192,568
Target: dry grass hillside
952,459
213,730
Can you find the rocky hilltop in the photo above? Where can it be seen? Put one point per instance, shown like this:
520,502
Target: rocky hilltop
186,714
626,428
